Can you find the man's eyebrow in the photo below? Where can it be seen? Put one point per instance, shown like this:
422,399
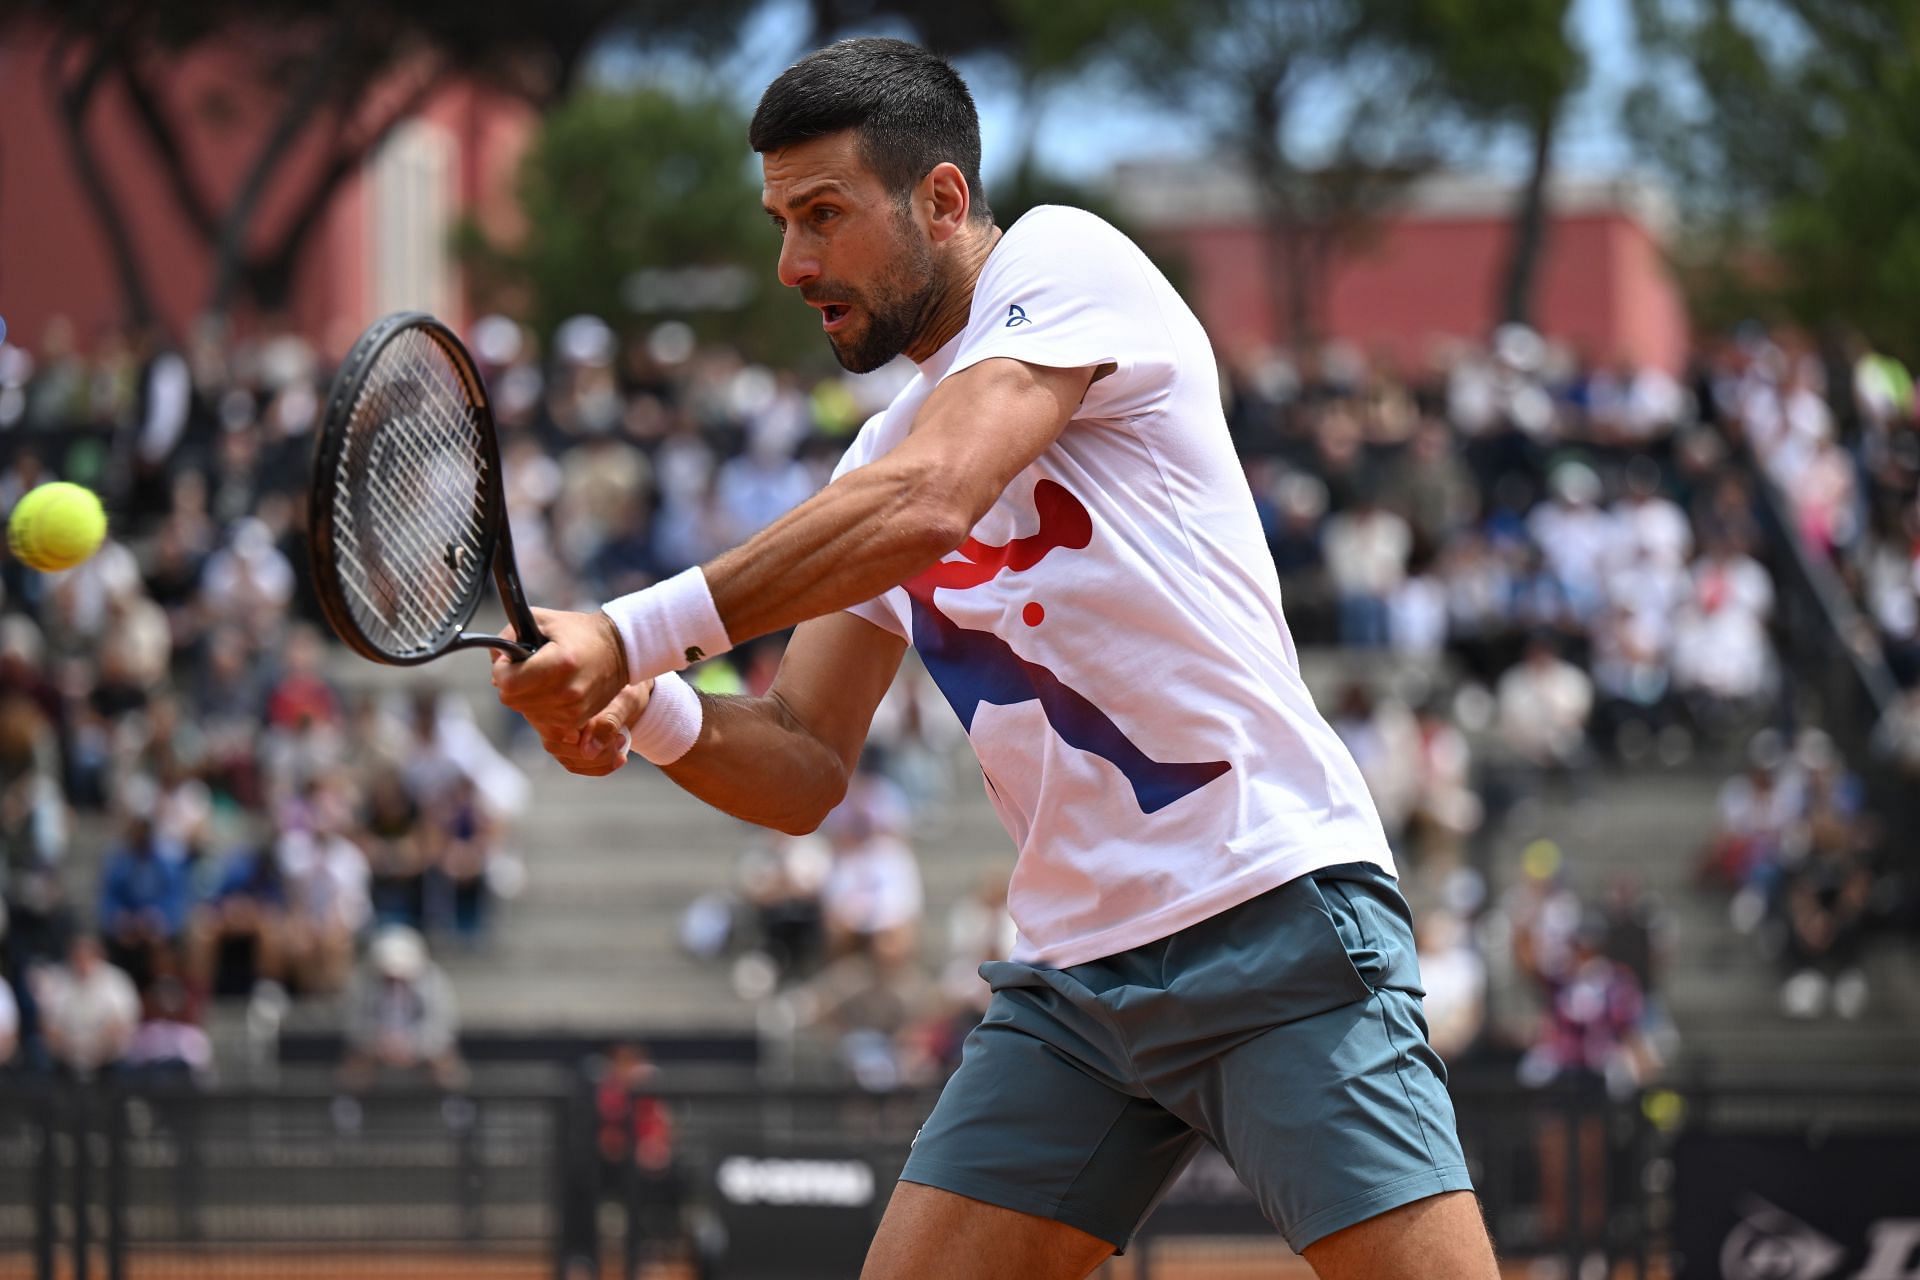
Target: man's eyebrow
806,197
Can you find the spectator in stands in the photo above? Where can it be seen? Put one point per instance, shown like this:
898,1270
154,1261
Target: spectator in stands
143,898
89,1010
1455,978
456,840
759,486
1896,739
1296,543
33,813
1366,554
872,895
1647,525
1446,808
1382,737
302,694
327,878
1432,486
9,1024
1590,1037
400,1014
876,1006
1576,536
635,1140
169,1044
781,887
1722,661
237,937
979,929
1544,704
1826,899
397,857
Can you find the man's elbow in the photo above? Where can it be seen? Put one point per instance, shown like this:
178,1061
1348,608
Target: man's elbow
805,818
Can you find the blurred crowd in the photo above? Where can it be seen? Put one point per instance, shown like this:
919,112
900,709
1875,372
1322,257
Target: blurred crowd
190,808
1540,567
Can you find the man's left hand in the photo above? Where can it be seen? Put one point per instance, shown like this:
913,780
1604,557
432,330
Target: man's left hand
570,678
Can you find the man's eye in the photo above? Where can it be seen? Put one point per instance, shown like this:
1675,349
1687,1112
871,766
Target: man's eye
825,214
779,224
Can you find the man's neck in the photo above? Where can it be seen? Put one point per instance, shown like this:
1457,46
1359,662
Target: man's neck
950,309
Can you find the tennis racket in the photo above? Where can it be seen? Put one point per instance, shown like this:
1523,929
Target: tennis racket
408,517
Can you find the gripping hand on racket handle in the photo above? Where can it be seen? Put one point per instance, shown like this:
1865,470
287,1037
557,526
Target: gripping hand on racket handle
570,679
601,747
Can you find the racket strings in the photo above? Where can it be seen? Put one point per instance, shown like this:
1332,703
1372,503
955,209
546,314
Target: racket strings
411,495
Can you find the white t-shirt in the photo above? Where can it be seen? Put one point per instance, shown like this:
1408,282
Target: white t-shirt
1111,634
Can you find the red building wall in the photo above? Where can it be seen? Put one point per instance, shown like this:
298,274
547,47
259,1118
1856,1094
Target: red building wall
55,259
1602,288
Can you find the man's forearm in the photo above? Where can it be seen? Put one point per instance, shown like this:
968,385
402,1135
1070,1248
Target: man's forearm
872,529
754,760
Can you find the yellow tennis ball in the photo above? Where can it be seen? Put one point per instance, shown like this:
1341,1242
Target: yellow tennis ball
56,526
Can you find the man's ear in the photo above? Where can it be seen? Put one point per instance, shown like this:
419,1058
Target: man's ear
947,201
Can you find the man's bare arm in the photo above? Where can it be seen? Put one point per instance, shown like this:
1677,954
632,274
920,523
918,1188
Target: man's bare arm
878,525
782,760
870,530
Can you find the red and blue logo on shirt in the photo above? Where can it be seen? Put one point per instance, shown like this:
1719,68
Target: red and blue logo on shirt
974,667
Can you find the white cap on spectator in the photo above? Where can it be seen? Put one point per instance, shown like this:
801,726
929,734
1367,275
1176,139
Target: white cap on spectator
584,340
1519,347
1576,482
496,339
398,952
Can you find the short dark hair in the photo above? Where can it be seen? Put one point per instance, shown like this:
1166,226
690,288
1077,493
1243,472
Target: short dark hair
911,109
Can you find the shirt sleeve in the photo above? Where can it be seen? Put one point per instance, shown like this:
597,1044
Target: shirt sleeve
858,454
1065,290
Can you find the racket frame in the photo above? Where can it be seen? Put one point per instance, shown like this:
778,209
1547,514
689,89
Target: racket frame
496,531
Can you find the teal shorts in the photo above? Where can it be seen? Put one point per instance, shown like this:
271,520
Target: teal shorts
1287,1031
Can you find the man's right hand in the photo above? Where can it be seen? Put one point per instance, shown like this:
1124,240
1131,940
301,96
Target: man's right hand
602,744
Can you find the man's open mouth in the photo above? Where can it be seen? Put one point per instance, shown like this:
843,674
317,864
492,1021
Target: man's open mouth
832,313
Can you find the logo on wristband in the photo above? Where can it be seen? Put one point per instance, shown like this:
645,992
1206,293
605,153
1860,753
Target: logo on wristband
695,654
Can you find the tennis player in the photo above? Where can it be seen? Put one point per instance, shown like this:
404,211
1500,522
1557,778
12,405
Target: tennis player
1211,943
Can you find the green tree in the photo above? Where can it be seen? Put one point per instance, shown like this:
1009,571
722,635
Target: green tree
1792,130
1329,120
644,206
1501,64
335,76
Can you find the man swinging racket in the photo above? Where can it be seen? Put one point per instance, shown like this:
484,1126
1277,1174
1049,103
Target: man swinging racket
1211,946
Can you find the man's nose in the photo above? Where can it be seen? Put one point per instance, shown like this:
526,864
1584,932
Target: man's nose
797,266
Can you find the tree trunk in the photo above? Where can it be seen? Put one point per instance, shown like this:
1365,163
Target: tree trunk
1302,326
73,99
165,143
269,278
1530,224
296,114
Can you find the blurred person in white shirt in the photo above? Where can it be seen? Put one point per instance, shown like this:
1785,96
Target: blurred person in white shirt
759,486
1647,523
1722,661
1366,551
873,887
1544,704
89,1010
328,883
1575,535
1455,978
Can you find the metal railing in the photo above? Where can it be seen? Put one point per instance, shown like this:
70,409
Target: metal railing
150,1182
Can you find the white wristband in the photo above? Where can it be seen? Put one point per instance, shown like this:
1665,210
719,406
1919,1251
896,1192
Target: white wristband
669,625
670,725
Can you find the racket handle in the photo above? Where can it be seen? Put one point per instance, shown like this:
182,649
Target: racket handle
487,640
